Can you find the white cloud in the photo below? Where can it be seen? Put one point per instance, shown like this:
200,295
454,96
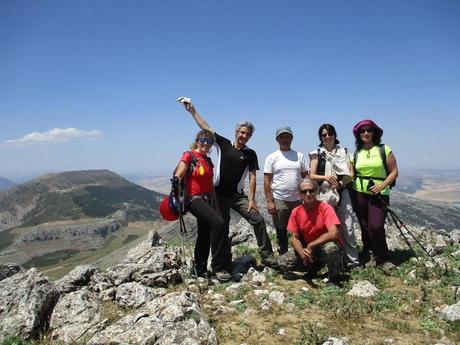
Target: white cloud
55,135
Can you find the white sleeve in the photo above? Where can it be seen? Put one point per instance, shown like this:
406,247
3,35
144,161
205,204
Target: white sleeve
303,163
268,167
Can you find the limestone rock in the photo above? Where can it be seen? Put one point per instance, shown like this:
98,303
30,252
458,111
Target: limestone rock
265,305
242,233
26,301
335,341
77,316
255,277
455,236
171,319
103,286
76,278
363,289
7,270
451,313
151,266
276,297
135,295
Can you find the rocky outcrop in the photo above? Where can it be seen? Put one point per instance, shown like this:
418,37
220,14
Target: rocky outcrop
7,270
77,316
76,232
135,295
363,289
75,279
26,301
172,319
155,267
451,313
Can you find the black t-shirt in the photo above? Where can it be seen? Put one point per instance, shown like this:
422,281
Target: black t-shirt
233,167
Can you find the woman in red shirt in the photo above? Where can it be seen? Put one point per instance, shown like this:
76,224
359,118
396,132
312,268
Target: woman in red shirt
196,169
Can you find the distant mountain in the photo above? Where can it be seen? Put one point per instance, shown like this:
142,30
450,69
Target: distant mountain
74,195
6,184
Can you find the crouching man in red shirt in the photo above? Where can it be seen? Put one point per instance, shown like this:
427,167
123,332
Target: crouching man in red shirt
315,235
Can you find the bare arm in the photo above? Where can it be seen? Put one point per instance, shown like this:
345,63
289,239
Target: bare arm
268,178
197,117
300,250
181,170
252,191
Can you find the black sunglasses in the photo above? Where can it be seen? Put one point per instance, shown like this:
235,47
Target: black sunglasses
310,191
324,135
366,129
206,141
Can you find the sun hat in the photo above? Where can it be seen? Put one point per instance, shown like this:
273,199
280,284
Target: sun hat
368,123
282,130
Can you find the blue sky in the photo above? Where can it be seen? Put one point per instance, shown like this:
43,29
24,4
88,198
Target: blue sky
92,84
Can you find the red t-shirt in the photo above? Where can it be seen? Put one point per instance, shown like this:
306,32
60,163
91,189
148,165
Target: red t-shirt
312,224
200,181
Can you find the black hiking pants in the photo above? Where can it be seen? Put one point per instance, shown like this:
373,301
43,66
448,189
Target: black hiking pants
211,235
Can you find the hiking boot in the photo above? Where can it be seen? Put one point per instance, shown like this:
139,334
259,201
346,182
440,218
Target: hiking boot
270,261
196,272
335,283
223,276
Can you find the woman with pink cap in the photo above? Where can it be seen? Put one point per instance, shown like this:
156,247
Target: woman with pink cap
375,171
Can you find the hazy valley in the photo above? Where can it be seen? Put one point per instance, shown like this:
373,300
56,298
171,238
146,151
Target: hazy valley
57,221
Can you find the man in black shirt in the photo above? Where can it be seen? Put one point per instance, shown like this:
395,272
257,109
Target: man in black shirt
235,162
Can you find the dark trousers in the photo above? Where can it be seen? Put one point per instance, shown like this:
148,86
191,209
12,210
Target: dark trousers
212,235
240,204
371,214
280,221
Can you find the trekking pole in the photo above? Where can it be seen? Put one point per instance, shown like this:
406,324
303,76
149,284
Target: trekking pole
400,224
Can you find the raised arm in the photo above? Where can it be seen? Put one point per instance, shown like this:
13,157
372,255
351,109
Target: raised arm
196,116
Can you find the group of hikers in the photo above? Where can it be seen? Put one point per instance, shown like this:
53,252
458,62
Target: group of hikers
315,201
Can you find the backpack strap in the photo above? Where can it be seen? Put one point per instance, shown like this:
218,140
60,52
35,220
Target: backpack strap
192,164
383,156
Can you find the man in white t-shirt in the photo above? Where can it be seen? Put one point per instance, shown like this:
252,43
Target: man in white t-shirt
283,171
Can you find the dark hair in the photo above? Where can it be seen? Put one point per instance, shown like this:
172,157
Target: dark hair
376,139
204,133
330,129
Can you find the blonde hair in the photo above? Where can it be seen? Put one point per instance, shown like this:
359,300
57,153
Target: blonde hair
204,133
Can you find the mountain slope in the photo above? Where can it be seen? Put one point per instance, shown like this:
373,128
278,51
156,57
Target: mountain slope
5,184
74,195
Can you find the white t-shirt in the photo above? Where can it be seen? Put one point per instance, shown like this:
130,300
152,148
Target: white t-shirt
286,167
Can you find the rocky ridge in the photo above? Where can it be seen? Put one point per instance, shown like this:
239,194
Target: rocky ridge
143,299
72,195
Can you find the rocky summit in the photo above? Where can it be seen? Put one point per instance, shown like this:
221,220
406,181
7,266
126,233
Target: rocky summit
151,298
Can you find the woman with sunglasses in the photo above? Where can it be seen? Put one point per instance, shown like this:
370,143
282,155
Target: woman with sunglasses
375,171
330,166
195,168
